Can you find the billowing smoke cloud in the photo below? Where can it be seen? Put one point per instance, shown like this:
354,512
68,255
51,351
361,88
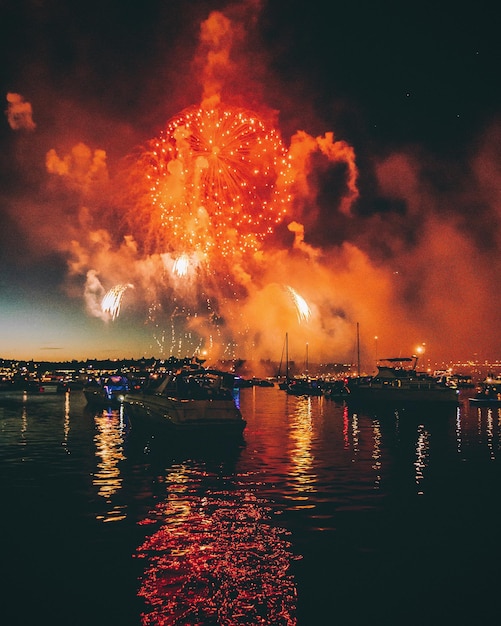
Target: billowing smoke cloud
82,168
216,37
94,294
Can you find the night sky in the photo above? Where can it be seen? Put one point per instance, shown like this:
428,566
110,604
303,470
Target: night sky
390,113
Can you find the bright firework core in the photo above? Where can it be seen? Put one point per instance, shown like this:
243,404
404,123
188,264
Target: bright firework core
218,182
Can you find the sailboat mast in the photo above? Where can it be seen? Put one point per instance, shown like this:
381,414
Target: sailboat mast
358,349
279,372
287,357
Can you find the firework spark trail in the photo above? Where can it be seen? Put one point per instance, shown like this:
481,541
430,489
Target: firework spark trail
302,307
113,299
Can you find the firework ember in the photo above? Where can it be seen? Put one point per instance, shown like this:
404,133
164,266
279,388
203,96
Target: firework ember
217,182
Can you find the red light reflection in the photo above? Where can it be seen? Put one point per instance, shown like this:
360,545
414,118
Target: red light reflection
216,560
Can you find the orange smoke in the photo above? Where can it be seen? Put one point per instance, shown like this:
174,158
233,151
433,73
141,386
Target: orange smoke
19,113
304,148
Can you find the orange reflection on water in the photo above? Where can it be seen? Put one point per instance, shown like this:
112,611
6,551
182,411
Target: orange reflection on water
490,433
351,432
215,559
301,456
376,453
355,433
422,455
459,436
346,427
109,441
497,431
66,424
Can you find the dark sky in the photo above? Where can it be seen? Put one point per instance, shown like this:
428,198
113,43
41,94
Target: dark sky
388,73
412,90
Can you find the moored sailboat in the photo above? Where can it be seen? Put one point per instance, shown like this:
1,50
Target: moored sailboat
299,385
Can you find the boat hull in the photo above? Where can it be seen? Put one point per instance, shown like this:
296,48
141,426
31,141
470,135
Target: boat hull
485,401
205,416
98,398
402,397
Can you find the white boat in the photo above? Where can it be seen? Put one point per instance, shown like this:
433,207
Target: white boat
192,399
397,383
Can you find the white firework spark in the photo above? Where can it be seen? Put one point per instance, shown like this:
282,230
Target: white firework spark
302,308
113,299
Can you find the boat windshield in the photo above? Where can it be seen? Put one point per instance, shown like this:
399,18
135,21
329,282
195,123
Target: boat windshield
197,384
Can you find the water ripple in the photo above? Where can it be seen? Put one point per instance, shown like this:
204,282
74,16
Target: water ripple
215,558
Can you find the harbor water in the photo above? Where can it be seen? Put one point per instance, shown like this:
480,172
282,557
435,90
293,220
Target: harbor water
318,516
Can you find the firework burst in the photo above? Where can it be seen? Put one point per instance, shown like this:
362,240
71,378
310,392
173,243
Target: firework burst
216,181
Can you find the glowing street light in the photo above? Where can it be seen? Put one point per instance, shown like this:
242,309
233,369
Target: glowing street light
419,351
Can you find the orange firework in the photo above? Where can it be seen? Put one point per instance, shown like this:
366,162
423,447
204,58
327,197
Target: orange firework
217,181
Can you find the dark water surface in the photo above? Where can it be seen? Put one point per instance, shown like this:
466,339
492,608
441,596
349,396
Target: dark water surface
320,516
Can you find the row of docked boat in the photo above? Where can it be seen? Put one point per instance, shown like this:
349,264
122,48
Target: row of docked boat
34,386
398,383
192,398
